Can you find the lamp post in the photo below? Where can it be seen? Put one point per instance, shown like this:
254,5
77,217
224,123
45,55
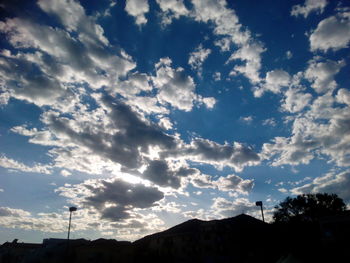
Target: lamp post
71,209
260,203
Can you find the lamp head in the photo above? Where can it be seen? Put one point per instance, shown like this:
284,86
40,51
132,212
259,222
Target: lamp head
258,203
72,209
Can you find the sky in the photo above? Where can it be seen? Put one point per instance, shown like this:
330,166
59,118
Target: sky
146,113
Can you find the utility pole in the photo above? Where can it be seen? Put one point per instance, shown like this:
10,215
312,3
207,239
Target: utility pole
71,209
260,203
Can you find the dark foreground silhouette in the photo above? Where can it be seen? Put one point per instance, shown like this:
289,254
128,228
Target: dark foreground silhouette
238,239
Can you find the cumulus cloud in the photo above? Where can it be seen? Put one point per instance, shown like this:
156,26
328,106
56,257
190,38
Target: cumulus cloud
172,9
50,62
200,150
175,87
330,183
72,15
309,7
159,172
321,130
321,74
125,137
138,9
228,27
197,58
343,96
114,200
251,55
331,33
275,80
295,100
7,211
235,183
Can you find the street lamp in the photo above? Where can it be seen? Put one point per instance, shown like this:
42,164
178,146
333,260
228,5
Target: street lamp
71,209
260,203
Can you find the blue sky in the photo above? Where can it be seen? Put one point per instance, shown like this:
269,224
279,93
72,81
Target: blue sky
147,113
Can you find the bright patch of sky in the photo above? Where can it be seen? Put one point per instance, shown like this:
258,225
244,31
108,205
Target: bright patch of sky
147,113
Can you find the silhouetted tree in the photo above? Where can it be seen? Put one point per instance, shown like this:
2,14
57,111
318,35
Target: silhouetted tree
307,208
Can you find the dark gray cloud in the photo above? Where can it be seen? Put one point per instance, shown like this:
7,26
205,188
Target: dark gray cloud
127,138
114,199
26,80
159,172
206,151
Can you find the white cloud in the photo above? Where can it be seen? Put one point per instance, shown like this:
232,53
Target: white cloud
234,183
295,100
322,130
308,7
200,150
289,54
321,74
7,211
283,190
247,119
209,102
269,122
172,9
175,87
60,63
251,55
138,9
330,183
222,207
275,80
65,173
165,123
331,33
15,165
198,57
227,26
343,96
72,16
217,76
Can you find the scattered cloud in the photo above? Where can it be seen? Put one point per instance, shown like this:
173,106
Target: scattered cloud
275,80
235,183
331,33
247,119
295,100
217,76
137,9
114,200
197,58
17,166
269,122
309,7
321,74
175,87
172,9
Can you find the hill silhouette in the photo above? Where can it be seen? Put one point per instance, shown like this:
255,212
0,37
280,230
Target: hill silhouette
237,239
